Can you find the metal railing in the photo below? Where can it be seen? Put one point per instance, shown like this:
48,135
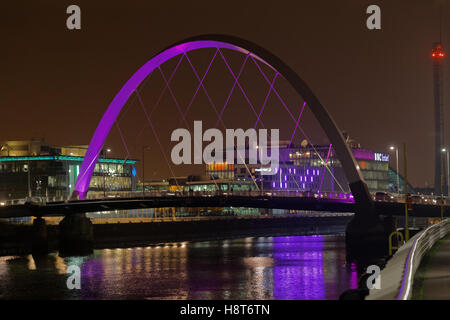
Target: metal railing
420,199
397,277
424,242
346,197
252,193
115,220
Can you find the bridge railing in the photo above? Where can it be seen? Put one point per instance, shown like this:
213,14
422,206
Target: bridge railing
12,202
178,218
420,199
397,277
416,199
244,193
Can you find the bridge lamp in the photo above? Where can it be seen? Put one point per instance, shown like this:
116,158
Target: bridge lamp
392,148
448,170
102,171
143,169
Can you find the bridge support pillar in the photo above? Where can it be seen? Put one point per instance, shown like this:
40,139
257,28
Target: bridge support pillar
367,234
364,240
367,239
39,244
76,235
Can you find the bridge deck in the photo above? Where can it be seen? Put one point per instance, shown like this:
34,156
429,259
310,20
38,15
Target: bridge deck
62,208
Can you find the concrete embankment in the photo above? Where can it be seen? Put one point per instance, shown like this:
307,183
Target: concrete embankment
18,239
397,278
119,235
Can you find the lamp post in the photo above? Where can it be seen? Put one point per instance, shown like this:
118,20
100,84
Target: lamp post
441,185
448,170
260,169
29,179
108,150
406,193
143,170
396,157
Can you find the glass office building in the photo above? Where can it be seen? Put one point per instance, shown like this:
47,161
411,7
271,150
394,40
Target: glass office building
37,169
309,168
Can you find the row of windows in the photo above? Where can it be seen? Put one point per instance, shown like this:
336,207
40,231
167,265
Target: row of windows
316,162
222,186
13,167
375,175
221,174
377,185
57,181
293,186
219,167
112,168
373,165
309,154
110,182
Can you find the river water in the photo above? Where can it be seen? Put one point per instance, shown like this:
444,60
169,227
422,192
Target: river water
295,267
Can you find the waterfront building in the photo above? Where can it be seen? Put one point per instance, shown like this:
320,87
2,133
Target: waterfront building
35,168
309,168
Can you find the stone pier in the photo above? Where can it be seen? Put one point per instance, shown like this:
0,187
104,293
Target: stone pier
39,238
367,238
76,235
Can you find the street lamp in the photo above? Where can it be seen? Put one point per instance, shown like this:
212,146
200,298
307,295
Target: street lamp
29,178
260,169
102,154
396,156
448,170
405,186
103,172
143,169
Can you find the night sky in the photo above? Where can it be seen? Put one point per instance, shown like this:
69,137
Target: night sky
377,85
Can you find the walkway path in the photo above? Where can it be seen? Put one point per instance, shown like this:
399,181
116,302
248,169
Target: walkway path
433,276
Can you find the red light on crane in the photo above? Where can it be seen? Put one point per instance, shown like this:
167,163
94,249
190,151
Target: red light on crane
438,52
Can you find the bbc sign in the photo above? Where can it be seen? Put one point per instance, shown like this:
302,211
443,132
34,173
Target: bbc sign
381,157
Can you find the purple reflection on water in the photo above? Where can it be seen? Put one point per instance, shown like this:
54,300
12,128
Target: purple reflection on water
298,273
92,277
353,277
92,268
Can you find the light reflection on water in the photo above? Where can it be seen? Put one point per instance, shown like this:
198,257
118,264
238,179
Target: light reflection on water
296,267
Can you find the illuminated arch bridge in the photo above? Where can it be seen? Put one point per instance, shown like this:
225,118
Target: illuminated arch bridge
252,52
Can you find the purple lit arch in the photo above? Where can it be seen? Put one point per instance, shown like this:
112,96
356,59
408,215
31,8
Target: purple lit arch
356,182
